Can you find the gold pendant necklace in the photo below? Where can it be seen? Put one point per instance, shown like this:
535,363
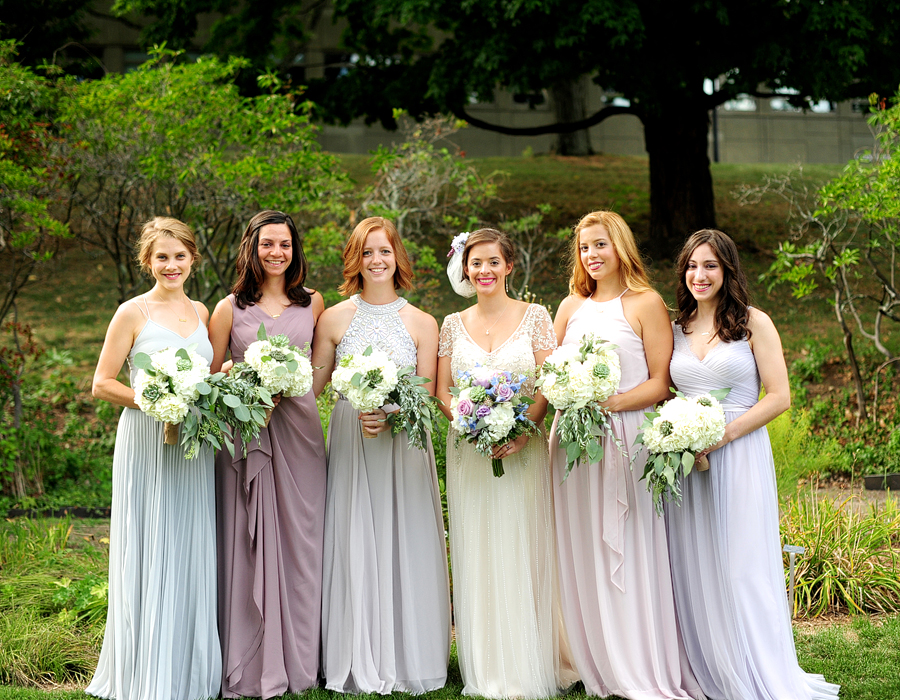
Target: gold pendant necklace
269,311
172,308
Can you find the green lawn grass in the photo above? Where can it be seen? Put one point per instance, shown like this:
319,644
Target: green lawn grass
862,655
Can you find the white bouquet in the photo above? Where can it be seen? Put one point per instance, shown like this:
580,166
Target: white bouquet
489,409
366,379
674,435
166,385
575,379
372,379
281,368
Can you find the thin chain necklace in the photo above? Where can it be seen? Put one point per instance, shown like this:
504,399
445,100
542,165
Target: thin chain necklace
269,311
180,320
487,331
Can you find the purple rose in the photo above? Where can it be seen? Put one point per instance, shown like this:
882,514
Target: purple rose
464,407
482,411
504,392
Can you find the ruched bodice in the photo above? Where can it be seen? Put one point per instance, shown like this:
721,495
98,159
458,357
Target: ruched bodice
610,316
380,326
727,365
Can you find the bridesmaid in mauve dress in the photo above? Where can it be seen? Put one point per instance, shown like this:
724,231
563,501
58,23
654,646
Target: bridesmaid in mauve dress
271,505
386,598
724,538
615,579
161,639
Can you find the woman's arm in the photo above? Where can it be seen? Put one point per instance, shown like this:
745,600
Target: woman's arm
766,345
567,307
220,333
120,336
648,312
444,382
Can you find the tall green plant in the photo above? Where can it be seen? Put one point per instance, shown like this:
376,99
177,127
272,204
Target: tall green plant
177,138
846,236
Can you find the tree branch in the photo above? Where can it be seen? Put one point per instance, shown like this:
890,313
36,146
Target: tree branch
566,128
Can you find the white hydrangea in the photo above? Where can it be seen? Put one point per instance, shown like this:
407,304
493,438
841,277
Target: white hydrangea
282,368
686,424
574,375
500,421
168,394
379,378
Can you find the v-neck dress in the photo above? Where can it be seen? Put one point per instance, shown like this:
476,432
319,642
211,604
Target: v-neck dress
271,519
509,636
725,549
161,638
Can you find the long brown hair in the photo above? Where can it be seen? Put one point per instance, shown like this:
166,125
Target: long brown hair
353,255
733,310
250,273
631,268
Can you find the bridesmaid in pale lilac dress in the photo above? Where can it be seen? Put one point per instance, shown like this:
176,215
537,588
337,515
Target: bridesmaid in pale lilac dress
271,505
724,539
386,598
615,579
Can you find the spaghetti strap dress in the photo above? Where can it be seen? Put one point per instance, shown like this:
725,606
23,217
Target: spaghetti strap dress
161,639
271,514
725,547
615,578
386,601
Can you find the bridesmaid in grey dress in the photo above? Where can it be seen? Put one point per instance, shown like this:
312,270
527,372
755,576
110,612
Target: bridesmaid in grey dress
724,540
271,504
386,602
161,639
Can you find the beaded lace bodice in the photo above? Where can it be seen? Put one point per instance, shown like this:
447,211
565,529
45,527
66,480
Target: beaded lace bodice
380,326
516,354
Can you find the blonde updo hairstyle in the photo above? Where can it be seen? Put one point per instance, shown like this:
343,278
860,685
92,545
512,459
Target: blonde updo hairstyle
164,227
631,267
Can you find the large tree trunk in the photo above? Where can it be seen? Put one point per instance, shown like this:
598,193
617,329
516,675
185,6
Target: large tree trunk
570,105
681,191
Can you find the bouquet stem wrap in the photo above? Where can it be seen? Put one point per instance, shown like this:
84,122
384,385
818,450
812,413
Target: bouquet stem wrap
170,433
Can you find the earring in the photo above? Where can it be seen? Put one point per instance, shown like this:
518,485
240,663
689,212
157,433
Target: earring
506,282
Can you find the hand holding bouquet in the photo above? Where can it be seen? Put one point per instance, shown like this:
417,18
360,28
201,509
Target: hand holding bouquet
575,379
166,385
488,409
674,435
371,379
282,368
227,402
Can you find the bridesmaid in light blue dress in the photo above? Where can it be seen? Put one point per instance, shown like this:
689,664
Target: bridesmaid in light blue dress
724,541
161,637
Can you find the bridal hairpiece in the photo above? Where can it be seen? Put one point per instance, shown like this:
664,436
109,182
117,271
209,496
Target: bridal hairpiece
461,285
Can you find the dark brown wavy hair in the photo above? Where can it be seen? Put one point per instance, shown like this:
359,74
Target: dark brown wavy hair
250,273
353,256
733,311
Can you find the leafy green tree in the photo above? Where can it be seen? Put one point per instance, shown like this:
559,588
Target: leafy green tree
440,55
846,237
28,232
48,30
178,139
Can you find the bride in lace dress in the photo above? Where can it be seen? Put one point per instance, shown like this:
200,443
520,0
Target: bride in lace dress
505,594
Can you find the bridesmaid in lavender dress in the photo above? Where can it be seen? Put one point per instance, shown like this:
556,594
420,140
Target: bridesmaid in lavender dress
386,598
724,539
271,505
615,580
